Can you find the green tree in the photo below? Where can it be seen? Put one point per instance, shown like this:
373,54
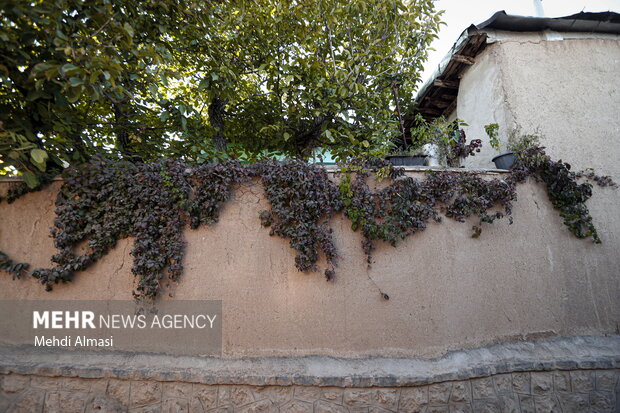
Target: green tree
204,79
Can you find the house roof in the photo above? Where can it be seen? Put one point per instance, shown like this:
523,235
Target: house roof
603,22
438,96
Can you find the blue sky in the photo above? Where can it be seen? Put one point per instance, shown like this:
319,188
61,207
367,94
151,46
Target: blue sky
459,14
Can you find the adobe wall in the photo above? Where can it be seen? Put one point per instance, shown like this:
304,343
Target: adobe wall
567,90
447,291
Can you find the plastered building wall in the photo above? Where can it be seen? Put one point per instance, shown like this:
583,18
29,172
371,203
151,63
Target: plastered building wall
447,291
566,90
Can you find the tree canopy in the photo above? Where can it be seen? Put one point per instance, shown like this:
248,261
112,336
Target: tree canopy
203,80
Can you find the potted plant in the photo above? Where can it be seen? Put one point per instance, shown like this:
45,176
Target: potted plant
410,152
407,158
518,144
502,161
447,139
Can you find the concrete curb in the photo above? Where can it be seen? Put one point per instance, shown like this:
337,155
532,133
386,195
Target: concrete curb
569,353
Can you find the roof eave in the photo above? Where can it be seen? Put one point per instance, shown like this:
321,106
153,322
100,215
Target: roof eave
437,97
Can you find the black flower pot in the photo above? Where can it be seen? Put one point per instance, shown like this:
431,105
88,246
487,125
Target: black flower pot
398,160
505,160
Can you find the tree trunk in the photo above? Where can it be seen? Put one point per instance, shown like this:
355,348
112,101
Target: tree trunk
78,145
306,140
216,118
123,143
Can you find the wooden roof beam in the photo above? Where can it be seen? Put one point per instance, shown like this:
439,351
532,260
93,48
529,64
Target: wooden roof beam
446,84
438,103
463,59
430,112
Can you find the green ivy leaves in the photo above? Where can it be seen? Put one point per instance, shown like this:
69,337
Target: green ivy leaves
257,76
39,156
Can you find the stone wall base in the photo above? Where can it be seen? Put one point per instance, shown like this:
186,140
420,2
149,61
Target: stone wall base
549,391
564,374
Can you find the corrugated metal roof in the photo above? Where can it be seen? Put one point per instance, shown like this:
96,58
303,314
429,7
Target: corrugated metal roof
603,22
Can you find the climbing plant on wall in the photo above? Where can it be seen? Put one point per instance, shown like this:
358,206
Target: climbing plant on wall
105,200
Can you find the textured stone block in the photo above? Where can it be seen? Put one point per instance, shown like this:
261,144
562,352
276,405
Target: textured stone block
48,383
438,409
156,408
333,394
359,410
195,406
375,409
606,380
358,397
547,404
297,406
144,393
309,394
222,409
323,406
65,402
521,383
461,392
509,402
75,384
386,398
5,402
413,399
602,401
100,403
175,405
98,386
439,393
30,401
503,383
279,395
483,388
574,402
526,403
14,383
265,406
582,381
119,390
487,406
178,390
204,396
461,408
236,395
542,382
561,381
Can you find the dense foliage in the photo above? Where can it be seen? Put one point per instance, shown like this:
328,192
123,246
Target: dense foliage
407,205
565,192
302,200
448,139
105,201
202,80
